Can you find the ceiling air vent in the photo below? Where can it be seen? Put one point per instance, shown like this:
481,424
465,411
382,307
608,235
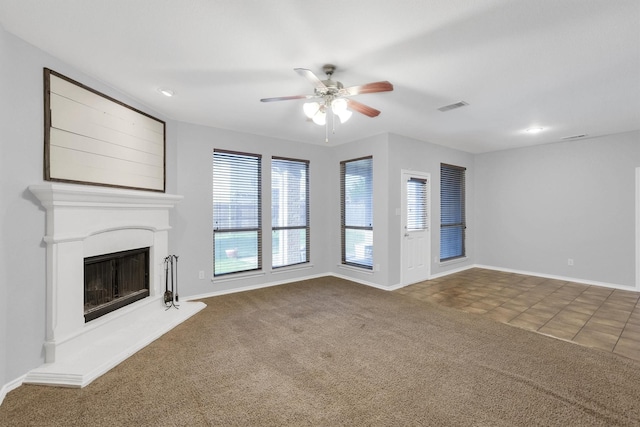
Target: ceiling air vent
582,135
452,106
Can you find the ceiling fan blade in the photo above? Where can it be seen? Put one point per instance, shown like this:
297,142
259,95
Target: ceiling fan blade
361,108
287,98
308,74
384,86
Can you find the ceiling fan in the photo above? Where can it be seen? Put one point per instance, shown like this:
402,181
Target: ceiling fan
332,96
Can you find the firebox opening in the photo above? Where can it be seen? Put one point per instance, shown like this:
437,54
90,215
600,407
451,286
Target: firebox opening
114,280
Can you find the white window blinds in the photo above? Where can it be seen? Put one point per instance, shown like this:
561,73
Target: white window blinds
356,194
237,217
452,212
417,204
289,211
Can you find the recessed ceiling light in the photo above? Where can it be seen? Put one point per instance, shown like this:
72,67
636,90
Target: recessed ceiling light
534,130
166,92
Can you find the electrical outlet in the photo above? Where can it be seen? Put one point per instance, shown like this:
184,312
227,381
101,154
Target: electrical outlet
570,261
201,274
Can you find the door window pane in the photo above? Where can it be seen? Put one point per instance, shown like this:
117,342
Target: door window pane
416,204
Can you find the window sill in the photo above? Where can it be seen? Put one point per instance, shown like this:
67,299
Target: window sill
453,261
281,270
238,276
357,269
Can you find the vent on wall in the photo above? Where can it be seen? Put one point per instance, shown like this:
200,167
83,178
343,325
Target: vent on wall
453,106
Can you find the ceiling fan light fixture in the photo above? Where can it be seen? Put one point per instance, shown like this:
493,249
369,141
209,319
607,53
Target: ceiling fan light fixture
344,116
339,106
320,118
331,98
310,109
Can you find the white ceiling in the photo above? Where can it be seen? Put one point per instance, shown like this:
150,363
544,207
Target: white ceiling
570,66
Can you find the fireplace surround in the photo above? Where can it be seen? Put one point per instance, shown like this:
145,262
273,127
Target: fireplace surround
88,221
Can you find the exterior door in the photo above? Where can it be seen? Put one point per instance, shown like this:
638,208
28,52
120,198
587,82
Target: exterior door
416,232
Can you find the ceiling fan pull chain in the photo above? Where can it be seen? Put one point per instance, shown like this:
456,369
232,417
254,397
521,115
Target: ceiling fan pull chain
326,132
333,122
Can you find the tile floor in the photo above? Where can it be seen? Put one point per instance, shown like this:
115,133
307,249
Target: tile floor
608,319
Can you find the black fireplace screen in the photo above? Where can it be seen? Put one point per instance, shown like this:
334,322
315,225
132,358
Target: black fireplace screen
114,280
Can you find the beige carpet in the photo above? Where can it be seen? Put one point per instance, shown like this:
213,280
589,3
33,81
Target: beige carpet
329,352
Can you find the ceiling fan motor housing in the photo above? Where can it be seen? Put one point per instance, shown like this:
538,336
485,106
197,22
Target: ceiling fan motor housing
329,69
332,88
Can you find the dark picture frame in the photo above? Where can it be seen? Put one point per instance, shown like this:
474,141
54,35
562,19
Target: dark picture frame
91,138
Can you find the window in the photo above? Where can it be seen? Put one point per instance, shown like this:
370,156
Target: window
417,204
289,212
356,206
237,232
452,212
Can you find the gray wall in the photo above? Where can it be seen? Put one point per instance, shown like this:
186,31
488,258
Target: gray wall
528,209
376,146
410,154
192,236
22,219
6,76
537,207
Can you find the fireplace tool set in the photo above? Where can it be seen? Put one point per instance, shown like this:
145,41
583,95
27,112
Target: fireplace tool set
171,292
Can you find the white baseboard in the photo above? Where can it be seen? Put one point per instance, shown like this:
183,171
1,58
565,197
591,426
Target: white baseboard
556,277
455,270
399,286
284,282
40,376
366,283
250,287
12,385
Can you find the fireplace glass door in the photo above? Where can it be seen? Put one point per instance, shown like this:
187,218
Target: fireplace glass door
114,280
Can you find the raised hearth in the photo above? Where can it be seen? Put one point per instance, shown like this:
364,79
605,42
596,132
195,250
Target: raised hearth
88,221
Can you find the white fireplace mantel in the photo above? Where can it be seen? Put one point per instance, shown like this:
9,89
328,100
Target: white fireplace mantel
84,221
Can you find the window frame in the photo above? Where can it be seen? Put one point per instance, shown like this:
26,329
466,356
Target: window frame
305,227
343,216
258,224
455,201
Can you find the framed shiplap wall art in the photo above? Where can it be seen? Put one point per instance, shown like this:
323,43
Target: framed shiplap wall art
91,138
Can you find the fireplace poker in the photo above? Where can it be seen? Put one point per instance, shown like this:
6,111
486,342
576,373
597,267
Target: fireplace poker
169,299
166,279
168,295
176,257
